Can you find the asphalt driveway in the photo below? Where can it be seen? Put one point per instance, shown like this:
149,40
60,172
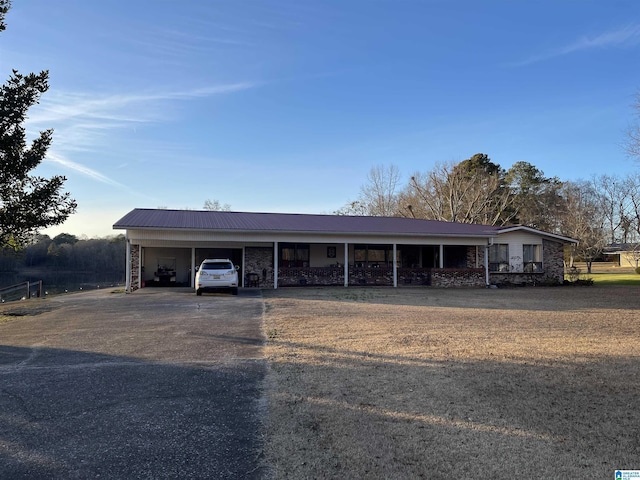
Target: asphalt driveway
155,384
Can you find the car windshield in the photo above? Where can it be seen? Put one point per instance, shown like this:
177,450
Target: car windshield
217,266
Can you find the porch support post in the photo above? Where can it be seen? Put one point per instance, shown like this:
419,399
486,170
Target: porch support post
486,265
275,265
346,264
242,264
441,259
128,266
395,265
193,268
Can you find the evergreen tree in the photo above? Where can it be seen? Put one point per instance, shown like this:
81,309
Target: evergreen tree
27,202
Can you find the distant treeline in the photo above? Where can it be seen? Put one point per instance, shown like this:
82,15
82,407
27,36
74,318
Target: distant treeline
68,253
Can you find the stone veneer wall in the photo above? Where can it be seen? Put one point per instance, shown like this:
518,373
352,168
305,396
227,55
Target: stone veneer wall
471,256
135,267
259,260
370,276
553,260
458,277
295,277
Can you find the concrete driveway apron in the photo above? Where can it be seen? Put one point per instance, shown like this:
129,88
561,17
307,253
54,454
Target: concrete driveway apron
155,384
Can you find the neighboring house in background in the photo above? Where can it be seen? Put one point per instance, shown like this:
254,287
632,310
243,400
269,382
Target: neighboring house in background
623,254
277,250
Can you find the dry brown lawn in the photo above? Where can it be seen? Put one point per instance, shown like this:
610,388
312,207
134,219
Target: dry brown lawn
457,383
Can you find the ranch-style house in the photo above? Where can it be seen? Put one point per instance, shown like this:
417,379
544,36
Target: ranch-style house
274,250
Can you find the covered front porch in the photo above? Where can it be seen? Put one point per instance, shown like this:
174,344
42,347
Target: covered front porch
297,264
365,264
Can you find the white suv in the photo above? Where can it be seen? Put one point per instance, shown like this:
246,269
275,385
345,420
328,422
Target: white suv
216,274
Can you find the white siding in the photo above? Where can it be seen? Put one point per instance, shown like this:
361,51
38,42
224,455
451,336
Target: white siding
319,254
516,240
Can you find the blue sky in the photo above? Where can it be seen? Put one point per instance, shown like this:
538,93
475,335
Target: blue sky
285,105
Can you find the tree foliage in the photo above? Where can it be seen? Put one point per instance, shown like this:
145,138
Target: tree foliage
27,202
4,8
67,253
537,201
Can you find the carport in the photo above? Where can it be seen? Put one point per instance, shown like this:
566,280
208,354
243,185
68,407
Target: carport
175,266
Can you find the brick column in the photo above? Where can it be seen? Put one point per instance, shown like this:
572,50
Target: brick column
135,267
259,260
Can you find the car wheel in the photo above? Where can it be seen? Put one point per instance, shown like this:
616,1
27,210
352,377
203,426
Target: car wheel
234,291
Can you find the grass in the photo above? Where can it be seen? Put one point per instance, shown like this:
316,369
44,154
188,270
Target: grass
475,383
13,310
615,278
608,274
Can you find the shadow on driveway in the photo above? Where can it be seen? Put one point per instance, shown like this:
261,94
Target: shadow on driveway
156,385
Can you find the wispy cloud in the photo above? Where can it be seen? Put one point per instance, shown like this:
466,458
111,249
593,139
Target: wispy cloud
83,169
172,42
627,36
117,108
87,122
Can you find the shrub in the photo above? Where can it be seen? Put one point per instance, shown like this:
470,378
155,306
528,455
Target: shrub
574,274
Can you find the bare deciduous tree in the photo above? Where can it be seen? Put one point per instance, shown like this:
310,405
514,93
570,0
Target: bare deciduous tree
472,191
584,220
632,145
613,196
216,206
632,219
378,196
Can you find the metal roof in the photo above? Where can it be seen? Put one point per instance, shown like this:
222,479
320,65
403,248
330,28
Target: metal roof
515,228
162,219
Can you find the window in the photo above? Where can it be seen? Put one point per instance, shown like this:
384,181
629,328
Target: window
373,255
217,266
499,257
294,255
454,256
532,258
